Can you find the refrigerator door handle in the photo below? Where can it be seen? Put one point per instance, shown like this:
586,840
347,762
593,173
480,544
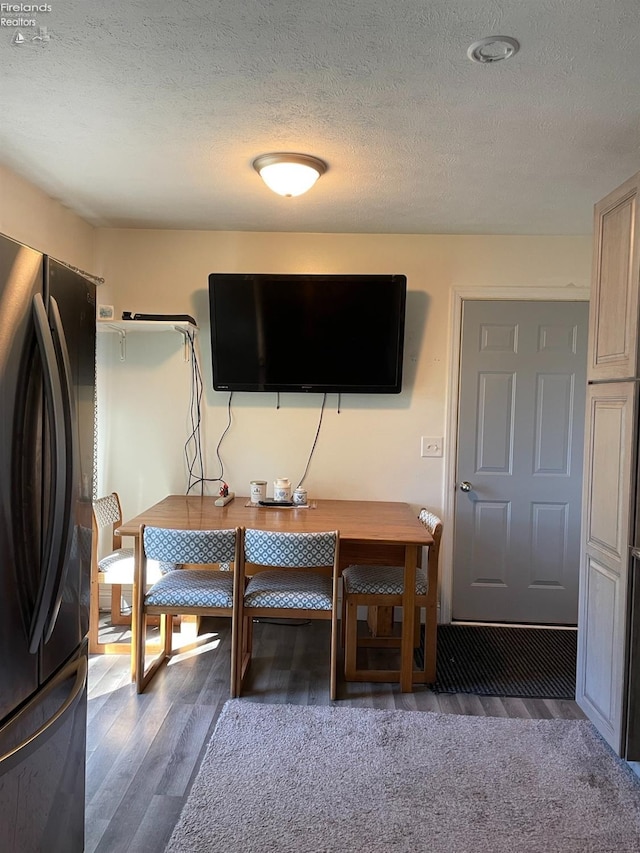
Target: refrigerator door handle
35,740
65,510
56,522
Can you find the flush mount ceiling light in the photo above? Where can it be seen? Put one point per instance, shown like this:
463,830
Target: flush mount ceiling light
289,174
493,49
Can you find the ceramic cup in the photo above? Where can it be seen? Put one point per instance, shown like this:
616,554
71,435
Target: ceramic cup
258,490
300,497
281,489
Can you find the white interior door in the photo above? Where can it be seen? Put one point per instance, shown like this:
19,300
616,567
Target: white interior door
516,549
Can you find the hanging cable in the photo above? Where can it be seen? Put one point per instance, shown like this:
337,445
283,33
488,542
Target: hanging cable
201,480
193,445
315,441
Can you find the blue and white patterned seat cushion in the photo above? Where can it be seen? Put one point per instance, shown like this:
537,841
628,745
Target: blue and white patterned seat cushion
293,550
190,546
380,580
192,588
118,567
289,589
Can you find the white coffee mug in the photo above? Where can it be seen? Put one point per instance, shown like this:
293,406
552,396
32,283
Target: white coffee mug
300,497
281,489
258,490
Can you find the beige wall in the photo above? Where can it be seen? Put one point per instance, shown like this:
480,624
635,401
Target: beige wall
31,217
371,449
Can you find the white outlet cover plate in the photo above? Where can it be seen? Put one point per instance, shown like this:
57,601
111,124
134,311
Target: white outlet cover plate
431,446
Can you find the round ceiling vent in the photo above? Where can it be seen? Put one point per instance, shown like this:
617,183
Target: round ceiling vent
493,49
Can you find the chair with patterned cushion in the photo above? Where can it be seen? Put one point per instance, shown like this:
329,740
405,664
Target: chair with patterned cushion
115,569
382,586
293,575
198,591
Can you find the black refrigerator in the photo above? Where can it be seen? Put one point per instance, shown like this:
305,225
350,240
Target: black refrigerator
47,378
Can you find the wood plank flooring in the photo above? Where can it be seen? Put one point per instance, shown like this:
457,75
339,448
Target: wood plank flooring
143,751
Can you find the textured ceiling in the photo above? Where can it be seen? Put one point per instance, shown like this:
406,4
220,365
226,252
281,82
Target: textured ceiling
149,114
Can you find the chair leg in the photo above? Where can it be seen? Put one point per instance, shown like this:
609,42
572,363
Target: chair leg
431,639
95,646
430,650
94,619
142,676
240,641
245,644
351,640
166,632
140,637
333,682
189,627
233,690
117,616
249,635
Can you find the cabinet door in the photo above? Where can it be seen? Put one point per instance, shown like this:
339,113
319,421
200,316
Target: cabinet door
603,599
613,332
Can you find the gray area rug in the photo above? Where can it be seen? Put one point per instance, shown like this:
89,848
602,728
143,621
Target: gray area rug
311,779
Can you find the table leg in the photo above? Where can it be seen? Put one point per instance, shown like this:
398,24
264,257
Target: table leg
136,605
408,618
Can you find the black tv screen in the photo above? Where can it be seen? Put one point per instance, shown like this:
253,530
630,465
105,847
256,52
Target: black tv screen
325,333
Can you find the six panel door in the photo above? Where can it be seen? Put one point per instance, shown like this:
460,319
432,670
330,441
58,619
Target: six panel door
521,429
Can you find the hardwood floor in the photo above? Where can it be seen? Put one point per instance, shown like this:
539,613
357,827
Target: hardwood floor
144,751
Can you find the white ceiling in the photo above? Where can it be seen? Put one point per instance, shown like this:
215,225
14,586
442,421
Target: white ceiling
149,114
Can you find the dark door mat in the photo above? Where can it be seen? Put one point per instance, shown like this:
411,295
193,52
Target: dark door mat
490,661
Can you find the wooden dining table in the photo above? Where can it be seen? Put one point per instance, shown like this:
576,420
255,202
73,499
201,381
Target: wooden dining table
371,532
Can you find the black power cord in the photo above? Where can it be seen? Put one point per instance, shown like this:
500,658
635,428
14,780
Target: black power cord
193,445
315,441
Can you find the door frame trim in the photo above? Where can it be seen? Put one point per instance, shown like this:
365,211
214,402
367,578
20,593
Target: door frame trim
458,296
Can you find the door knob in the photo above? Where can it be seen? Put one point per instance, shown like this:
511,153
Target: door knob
465,486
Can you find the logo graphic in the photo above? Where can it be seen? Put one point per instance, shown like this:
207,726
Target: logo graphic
42,37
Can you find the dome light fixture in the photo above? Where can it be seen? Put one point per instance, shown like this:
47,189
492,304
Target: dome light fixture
493,49
289,174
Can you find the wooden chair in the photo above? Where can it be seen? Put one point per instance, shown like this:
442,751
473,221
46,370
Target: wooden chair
382,586
199,591
300,581
115,569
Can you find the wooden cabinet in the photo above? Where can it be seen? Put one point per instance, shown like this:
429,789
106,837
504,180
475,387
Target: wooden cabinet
613,331
606,518
610,466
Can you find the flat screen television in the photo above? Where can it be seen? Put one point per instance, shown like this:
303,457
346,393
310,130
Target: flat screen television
324,333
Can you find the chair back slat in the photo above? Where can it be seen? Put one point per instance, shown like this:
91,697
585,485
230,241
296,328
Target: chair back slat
190,546
433,525
107,510
290,550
